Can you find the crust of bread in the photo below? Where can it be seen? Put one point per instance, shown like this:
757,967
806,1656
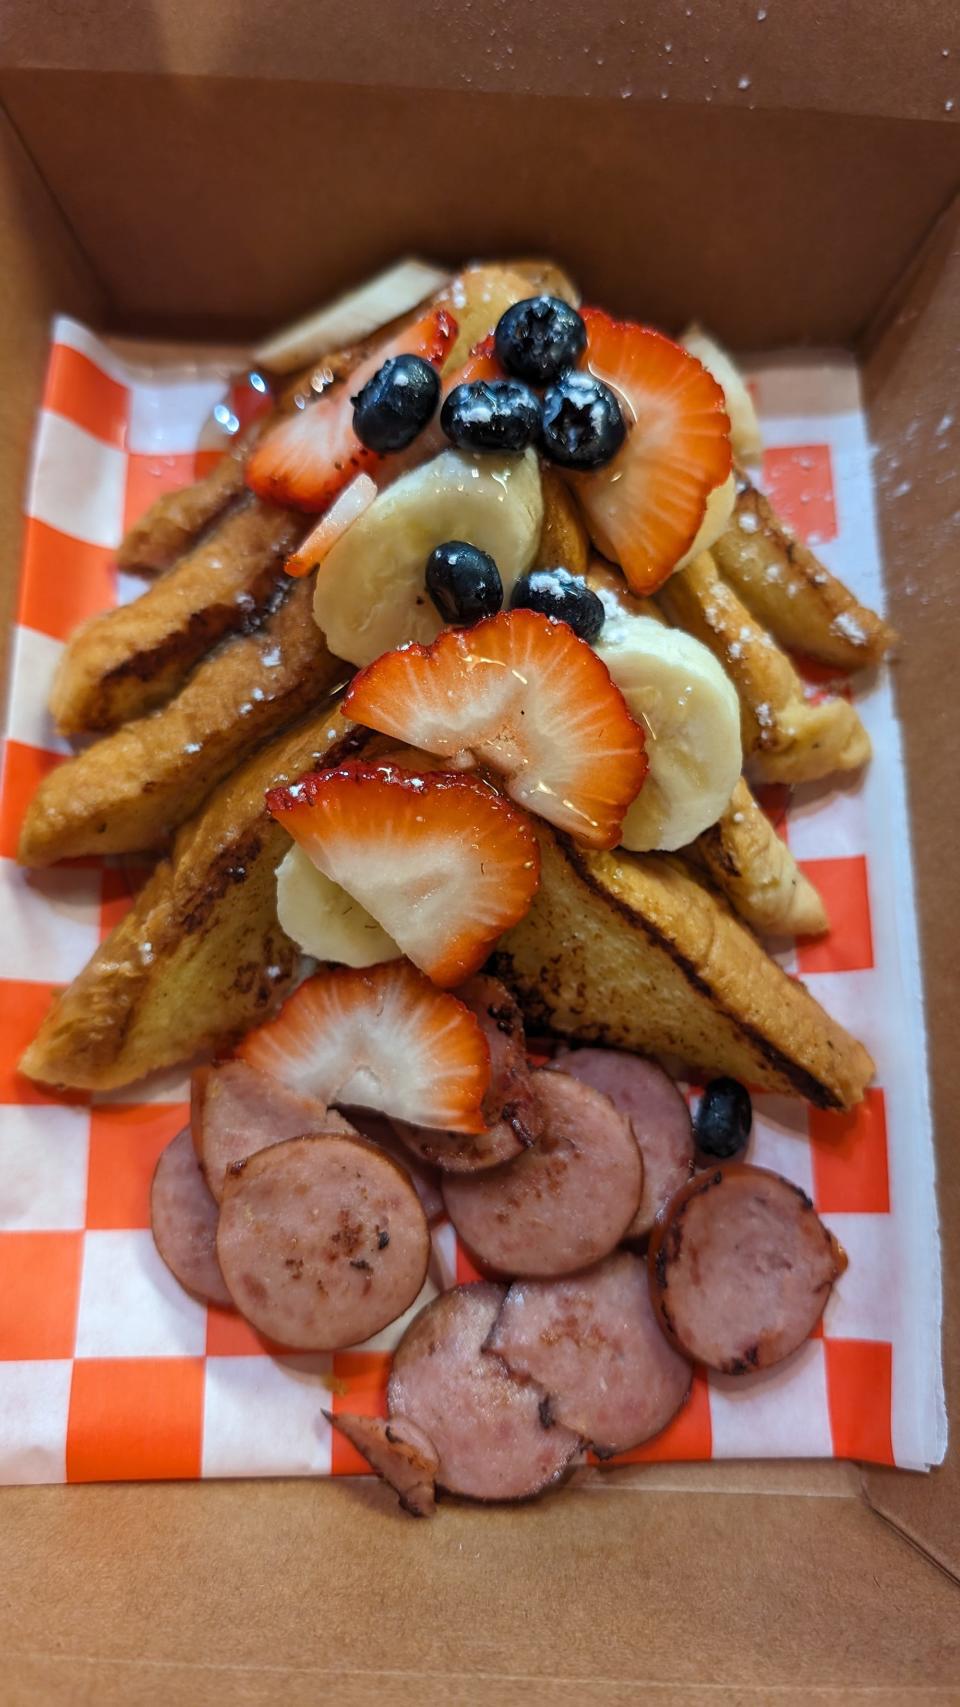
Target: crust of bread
743,855
128,792
791,592
632,951
176,519
564,540
200,957
127,661
786,737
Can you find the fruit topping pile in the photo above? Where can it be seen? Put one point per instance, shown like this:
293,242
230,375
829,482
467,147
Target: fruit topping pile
496,502
521,687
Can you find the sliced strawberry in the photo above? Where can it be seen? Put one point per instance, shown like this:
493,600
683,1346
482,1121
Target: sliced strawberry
312,454
441,861
343,512
384,1038
522,694
644,508
364,488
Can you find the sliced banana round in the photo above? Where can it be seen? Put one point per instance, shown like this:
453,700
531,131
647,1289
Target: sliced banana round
716,519
690,714
744,426
370,591
352,316
323,918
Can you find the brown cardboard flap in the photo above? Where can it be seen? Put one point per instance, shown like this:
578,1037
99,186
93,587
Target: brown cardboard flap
214,204
846,56
267,1592
911,380
42,270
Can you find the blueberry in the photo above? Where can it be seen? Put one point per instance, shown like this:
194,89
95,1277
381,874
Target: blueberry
555,592
463,582
491,414
582,423
538,338
724,1118
396,404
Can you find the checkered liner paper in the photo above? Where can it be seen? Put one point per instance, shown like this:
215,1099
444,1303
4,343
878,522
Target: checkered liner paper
107,1369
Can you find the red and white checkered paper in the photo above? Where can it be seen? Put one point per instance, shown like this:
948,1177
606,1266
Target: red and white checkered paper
107,1369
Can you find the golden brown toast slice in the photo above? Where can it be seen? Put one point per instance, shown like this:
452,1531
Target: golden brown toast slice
786,738
125,662
630,950
791,592
176,519
128,792
743,855
200,957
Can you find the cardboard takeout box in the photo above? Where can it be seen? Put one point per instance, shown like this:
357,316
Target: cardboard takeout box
788,173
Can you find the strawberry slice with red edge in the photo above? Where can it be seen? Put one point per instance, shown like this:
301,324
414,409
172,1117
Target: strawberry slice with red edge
365,487
440,860
384,1038
313,453
523,695
645,507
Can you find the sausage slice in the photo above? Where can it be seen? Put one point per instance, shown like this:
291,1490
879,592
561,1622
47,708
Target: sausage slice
512,1096
379,1129
236,1110
649,1099
183,1216
460,1152
741,1267
511,1105
322,1241
399,1452
567,1201
493,1435
594,1344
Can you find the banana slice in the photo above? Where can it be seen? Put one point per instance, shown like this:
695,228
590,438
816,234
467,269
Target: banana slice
370,592
716,519
744,426
352,316
691,717
323,918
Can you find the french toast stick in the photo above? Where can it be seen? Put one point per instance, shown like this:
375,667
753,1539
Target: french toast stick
630,950
200,957
175,519
786,738
129,660
791,592
743,855
128,791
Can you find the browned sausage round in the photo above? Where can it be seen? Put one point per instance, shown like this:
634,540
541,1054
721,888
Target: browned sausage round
511,1096
492,1439
236,1110
511,1105
399,1452
379,1129
322,1241
741,1267
657,1112
566,1201
593,1343
183,1216
460,1152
